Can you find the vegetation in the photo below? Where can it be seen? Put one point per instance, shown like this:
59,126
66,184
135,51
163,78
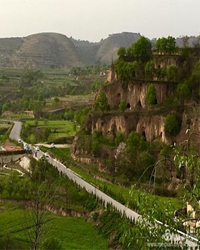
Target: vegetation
41,190
46,92
122,105
144,169
172,125
166,45
102,103
151,94
47,130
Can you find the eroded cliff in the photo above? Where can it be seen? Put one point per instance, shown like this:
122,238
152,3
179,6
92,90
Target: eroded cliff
175,93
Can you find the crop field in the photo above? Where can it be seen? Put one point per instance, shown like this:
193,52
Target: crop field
4,125
72,101
72,232
59,128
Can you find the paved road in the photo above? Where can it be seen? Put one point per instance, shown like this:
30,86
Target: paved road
190,241
15,132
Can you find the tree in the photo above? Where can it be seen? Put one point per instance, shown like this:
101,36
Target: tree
171,44
142,49
172,73
145,160
151,94
149,70
121,52
196,72
120,137
172,125
56,101
102,103
122,105
167,45
41,193
135,142
183,91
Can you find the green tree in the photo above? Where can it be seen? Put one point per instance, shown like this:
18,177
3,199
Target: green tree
183,91
172,125
95,86
167,45
6,106
149,70
151,94
121,52
135,142
122,105
172,73
142,49
120,137
56,101
102,103
145,160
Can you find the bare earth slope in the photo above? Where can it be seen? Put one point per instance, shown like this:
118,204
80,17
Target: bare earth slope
45,50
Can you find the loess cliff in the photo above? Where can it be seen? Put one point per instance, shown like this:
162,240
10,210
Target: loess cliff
138,114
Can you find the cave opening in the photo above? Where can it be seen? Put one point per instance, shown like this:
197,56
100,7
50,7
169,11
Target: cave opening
128,105
139,104
144,135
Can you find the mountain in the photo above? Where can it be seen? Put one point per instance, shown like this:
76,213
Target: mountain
53,50
106,50
44,50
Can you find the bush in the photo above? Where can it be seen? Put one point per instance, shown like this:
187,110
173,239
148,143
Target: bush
151,94
122,105
172,125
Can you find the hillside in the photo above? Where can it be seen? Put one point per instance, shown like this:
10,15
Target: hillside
47,50
53,50
147,106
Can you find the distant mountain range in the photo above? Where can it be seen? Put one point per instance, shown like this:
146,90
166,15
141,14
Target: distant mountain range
53,50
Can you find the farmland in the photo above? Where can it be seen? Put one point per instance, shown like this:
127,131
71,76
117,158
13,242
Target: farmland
82,234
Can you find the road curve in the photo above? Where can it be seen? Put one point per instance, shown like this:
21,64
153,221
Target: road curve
15,132
15,135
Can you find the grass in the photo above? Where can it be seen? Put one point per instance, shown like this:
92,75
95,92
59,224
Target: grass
4,125
126,195
17,116
59,128
61,153
129,194
72,232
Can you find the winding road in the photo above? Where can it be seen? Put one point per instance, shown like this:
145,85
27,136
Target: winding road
192,242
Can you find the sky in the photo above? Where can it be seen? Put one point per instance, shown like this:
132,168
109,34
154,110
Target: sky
94,20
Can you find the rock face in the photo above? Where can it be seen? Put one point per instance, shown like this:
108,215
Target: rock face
139,116
147,123
151,127
134,94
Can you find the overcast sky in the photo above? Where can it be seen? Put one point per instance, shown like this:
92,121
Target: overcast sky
95,19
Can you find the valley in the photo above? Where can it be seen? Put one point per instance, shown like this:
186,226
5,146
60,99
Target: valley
132,130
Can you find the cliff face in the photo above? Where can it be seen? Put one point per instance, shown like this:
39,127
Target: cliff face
139,116
151,127
173,93
134,94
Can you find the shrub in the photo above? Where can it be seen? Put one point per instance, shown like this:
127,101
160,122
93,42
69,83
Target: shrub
122,105
151,94
172,125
